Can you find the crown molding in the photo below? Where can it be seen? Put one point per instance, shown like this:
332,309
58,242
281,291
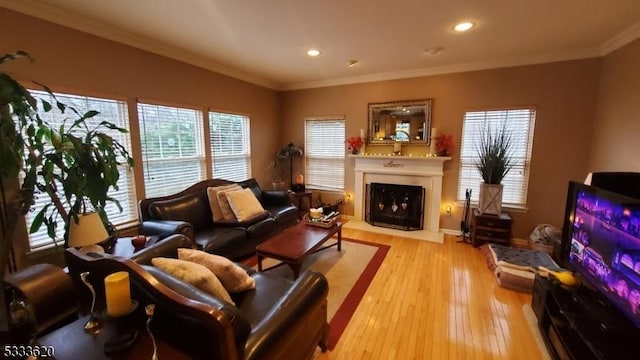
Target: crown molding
447,69
55,15
620,40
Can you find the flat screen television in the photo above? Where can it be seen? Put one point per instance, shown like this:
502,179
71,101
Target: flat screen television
601,242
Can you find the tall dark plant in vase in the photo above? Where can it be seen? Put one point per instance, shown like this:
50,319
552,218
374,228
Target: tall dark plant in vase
80,156
495,160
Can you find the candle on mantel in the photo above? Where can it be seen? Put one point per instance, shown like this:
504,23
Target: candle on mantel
432,144
118,293
364,141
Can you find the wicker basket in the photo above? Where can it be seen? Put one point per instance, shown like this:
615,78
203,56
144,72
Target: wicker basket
317,222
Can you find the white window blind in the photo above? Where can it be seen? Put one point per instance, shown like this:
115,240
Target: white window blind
324,153
114,111
230,146
171,139
520,122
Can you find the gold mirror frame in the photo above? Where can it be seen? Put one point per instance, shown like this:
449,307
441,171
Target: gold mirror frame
406,121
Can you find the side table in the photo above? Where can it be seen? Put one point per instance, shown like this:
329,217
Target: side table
302,200
490,228
124,248
71,342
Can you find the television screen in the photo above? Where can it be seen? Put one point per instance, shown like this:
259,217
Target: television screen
603,229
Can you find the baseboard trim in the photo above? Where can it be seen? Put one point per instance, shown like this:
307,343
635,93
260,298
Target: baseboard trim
520,242
451,232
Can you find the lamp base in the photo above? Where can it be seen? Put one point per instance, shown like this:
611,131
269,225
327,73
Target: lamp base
92,249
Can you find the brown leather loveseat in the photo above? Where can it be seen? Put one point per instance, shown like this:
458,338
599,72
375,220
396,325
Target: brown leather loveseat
188,212
279,319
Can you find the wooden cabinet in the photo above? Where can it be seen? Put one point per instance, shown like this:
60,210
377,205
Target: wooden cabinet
580,324
490,228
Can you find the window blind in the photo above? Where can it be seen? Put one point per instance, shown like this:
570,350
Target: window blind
114,111
520,122
230,146
324,153
171,140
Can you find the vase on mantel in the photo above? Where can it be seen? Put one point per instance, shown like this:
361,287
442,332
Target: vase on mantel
355,151
490,199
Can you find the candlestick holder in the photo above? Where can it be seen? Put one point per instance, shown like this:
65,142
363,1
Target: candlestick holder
93,325
125,333
150,310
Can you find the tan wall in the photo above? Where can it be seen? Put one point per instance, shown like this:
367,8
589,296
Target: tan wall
73,61
617,126
564,94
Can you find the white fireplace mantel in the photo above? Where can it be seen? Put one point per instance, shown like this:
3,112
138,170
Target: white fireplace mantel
425,171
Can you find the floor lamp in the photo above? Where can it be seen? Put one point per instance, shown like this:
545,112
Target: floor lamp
290,151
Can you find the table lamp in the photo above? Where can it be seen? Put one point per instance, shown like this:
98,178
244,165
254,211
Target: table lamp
87,233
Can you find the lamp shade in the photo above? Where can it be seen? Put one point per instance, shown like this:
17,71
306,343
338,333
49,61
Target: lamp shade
89,230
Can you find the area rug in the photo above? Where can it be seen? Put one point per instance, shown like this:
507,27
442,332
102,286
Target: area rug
349,273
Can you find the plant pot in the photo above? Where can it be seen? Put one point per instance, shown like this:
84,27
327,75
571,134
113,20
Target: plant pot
490,199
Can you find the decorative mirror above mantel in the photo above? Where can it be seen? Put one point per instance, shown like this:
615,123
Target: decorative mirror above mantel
407,121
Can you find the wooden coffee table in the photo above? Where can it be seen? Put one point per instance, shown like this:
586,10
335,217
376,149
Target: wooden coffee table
293,245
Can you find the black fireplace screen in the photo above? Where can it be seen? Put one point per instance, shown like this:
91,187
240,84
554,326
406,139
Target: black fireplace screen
395,206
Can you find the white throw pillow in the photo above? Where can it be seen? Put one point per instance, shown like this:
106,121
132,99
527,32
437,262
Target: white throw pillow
214,204
244,204
233,277
194,274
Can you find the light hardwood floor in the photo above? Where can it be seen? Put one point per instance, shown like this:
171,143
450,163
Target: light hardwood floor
435,301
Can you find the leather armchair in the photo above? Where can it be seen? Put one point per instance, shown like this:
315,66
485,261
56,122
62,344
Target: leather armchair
48,291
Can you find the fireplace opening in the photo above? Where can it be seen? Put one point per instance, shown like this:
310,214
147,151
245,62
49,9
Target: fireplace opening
395,206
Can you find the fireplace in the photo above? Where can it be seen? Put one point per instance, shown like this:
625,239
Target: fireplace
395,206
425,172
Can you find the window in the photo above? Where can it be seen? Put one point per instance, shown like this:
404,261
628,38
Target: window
114,111
171,140
521,123
324,153
230,147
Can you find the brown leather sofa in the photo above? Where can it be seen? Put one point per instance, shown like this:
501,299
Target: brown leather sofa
280,319
188,213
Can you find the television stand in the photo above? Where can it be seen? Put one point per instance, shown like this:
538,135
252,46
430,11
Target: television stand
576,324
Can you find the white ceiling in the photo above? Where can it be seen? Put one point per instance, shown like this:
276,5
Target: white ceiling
265,41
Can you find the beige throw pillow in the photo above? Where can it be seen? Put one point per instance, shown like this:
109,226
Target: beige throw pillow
244,204
233,277
214,204
194,274
225,209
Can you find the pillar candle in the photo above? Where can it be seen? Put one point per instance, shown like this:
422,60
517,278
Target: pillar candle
118,293
362,133
397,147
432,146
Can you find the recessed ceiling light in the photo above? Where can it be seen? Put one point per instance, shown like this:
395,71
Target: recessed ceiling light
352,63
313,52
463,26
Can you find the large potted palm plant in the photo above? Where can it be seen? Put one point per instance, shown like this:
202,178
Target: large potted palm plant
495,160
80,156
